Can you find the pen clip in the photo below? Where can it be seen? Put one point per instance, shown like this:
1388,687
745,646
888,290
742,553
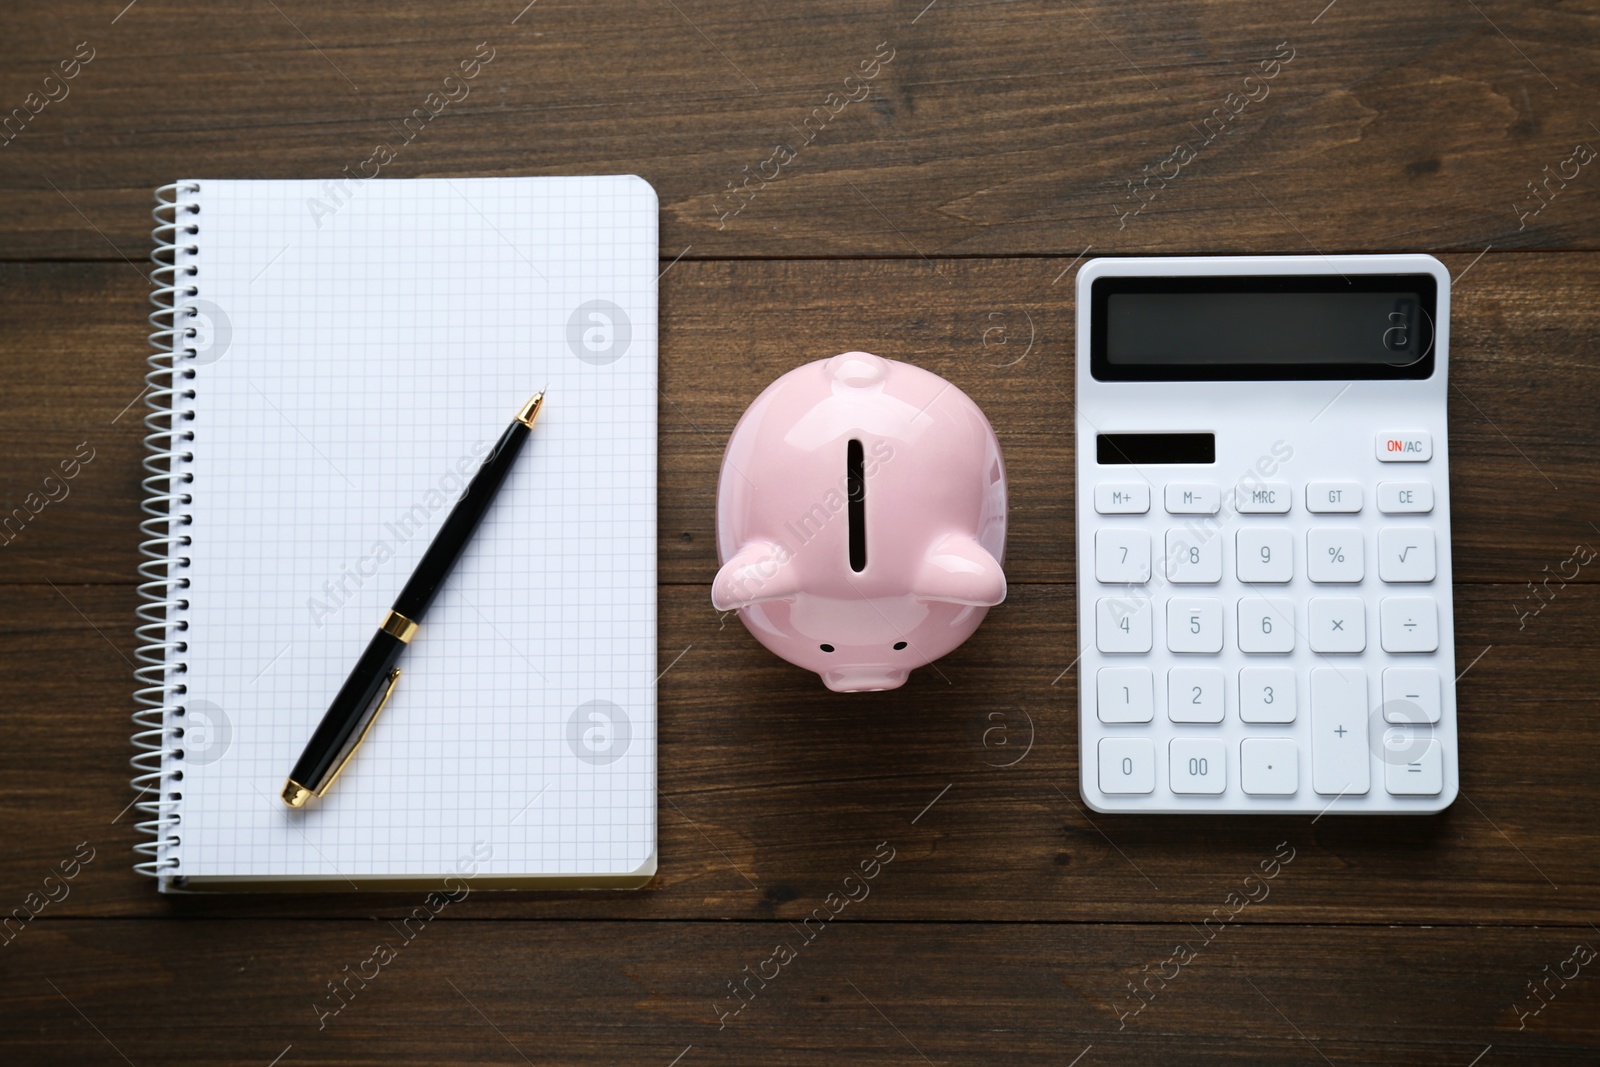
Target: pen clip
394,680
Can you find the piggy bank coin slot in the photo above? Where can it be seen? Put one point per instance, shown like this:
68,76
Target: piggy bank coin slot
855,482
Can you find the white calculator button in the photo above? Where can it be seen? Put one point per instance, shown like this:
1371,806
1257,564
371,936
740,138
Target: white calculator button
1127,765
1411,695
1126,694
1191,560
1265,555
1335,555
1338,624
1266,694
1412,766
1193,498
1413,447
1122,557
1266,624
1405,498
1122,624
1194,624
1130,499
1194,694
1341,763
1268,766
1405,554
1197,765
1263,498
1333,497
1409,624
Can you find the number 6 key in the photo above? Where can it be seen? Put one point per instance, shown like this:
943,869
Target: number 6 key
1266,624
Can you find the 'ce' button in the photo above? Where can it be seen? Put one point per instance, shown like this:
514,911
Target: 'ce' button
1405,447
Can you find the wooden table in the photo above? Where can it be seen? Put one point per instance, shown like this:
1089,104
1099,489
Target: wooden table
933,213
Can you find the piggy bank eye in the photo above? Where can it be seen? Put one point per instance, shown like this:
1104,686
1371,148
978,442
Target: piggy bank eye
898,645
827,648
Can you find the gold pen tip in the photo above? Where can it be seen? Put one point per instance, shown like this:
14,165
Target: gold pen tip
530,410
294,794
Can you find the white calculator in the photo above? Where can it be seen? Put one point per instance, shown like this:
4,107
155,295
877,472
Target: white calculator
1264,588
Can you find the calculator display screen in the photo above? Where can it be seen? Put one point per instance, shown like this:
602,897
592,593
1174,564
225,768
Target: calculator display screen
1262,327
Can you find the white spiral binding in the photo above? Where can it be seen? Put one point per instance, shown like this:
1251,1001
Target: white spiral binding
163,611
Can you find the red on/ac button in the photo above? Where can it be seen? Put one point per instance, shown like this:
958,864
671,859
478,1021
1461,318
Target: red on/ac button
1414,447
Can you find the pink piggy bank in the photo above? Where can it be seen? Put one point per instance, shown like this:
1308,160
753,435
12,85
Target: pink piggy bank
861,520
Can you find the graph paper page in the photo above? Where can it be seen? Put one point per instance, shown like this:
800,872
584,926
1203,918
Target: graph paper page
360,347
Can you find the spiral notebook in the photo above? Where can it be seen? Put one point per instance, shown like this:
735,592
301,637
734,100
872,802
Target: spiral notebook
334,359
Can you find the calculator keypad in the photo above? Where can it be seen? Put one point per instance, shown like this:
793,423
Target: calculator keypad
1263,498
1266,556
1127,764
1340,763
1412,769
1411,695
1318,609
1405,554
1269,766
1333,498
1193,498
1338,624
1122,557
1199,765
1192,560
1410,624
1194,624
1123,498
1126,694
1404,498
1335,554
1266,624
1122,624
1195,694
1267,694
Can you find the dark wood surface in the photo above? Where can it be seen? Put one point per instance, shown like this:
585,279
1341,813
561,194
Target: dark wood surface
937,220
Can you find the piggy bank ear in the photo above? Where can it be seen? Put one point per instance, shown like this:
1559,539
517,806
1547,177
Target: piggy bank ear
757,572
958,570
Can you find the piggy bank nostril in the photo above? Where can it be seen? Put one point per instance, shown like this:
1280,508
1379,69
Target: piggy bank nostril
898,645
827,648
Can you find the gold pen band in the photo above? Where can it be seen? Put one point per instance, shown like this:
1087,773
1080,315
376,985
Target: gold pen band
397,625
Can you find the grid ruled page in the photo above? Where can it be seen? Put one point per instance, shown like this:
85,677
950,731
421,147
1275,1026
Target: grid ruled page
362,348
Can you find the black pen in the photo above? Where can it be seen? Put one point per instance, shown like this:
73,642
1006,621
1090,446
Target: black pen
351,715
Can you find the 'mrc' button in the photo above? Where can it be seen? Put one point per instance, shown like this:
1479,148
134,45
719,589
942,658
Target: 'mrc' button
1405,447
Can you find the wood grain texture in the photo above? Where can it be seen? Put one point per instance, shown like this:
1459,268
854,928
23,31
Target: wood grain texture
996,128
213,992
937,219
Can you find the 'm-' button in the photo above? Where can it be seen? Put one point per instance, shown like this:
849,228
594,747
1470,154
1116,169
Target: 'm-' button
1192,498
1405,447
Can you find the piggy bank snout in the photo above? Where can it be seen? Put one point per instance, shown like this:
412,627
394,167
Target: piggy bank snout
864,679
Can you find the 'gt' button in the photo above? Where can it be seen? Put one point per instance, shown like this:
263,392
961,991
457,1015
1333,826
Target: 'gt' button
1405,447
